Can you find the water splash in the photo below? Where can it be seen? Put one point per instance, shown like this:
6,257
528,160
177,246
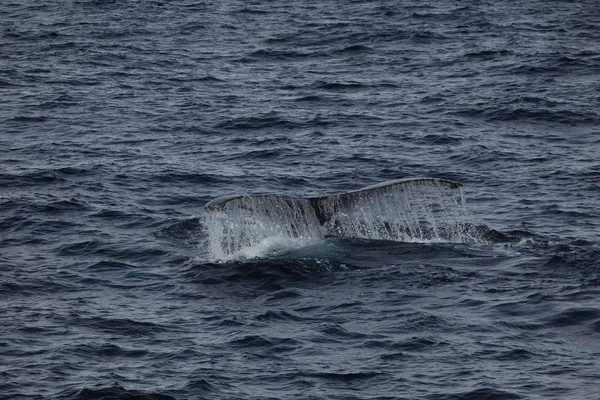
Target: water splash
252,226
413,211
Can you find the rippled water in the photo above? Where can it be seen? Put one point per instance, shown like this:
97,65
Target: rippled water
119,120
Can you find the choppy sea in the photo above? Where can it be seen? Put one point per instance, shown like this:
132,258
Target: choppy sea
120,119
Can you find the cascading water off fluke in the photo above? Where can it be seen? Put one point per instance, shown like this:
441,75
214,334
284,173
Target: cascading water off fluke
406,210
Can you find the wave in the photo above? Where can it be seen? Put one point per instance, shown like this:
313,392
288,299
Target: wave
115,392
520,113
268,120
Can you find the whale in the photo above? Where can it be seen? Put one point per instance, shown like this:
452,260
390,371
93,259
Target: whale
322,205
403,210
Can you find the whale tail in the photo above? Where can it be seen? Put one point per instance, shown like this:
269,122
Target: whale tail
326,207
416,209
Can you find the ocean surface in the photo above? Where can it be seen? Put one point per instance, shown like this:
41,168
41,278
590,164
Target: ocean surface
120,119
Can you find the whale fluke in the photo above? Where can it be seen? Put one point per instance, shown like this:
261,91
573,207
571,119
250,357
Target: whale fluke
220,203
323,205
414,209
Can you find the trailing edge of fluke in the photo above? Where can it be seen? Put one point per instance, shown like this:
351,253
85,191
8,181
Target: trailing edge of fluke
320,203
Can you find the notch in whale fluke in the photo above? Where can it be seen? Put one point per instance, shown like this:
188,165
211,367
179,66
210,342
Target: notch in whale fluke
322,205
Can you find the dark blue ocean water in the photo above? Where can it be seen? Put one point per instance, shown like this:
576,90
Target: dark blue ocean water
120,119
